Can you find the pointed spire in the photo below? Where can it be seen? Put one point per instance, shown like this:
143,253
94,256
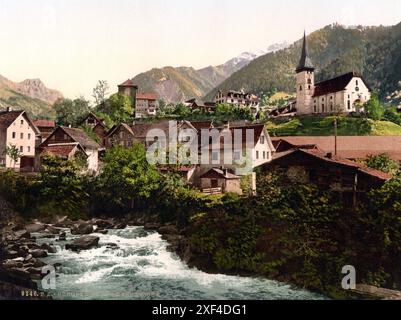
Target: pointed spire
305,62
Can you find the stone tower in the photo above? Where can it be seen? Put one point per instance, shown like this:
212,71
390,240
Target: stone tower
305,82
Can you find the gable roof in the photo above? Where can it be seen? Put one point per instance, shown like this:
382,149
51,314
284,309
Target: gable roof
128,83
225,174
60,150
8,117
81,137
336,84
350,147
322,156
146,96
44,123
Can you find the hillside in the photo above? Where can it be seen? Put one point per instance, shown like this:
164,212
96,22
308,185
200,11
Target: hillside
183,83
323,126
31,95
373,51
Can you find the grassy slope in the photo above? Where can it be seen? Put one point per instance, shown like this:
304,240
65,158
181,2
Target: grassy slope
35,107
318,126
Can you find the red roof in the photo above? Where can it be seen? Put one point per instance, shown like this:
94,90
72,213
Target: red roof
351,147
146,96
59,150
45,123
128,83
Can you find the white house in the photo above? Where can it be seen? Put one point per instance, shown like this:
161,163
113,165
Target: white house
68,143
16,129
340,94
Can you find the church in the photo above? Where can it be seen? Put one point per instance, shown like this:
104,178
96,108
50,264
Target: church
341,94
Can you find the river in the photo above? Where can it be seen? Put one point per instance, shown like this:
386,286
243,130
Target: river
141,268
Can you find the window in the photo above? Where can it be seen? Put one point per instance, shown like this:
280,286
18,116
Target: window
357,83
21,135
264,154
300,88
262,140
314,109
257,154
349,105
22,122
215,156
13,135
29,149
323,107
29,136
309,87
21,149
309,81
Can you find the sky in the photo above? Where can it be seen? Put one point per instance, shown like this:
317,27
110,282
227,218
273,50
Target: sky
71,44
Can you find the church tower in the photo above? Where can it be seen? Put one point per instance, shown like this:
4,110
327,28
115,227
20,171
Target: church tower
305,82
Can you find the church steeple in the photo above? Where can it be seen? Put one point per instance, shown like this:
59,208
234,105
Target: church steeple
305,63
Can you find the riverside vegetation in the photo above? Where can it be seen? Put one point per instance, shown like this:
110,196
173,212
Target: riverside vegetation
298,234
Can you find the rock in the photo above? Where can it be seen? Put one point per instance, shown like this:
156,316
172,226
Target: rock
62,237
52,230
104,224
12,264
83,243
111,246
38,263
22,234
102,231
168,230
48,248
121,225
11,254
82,228
28,258
38,253
152,226
35,227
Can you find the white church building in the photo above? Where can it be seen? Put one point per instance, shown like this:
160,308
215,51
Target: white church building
341,94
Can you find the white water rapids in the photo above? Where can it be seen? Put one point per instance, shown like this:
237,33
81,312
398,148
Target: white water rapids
141,268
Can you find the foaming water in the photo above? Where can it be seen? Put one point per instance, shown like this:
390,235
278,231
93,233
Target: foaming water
135,264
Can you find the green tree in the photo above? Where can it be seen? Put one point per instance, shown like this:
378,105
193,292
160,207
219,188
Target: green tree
373,109
127,180
14,154
118,107
383,163
71,112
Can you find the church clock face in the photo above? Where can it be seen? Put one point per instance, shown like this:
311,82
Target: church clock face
357,89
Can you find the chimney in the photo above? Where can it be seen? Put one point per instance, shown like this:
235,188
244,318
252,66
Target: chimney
226,125
9,109
329,155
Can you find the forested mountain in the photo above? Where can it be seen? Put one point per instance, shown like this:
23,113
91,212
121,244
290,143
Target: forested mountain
373,51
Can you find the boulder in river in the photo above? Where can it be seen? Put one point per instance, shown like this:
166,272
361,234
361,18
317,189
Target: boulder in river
82,228
103,224
168,230
152,226
38,253
48,248
35,227
83,243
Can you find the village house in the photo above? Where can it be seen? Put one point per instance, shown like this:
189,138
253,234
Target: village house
46,127
238,98
98,127
69,143
236,152
217,181
196,104
348,179
344,93
348,147
146,105
16,129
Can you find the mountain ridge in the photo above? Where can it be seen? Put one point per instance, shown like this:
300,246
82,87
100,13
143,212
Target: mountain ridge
334,50
177,84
